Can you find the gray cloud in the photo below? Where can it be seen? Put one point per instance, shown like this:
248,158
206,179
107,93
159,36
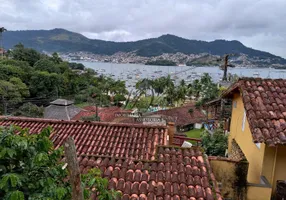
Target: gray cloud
259,24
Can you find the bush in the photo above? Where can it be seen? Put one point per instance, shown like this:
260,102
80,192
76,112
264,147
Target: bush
30,168
214,144
30,110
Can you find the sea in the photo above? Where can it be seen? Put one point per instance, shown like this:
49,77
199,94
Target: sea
131,73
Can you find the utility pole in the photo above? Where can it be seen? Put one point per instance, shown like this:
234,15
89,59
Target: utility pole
74,170
225,67
2,30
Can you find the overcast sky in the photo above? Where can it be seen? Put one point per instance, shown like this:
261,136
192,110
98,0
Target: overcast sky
260,24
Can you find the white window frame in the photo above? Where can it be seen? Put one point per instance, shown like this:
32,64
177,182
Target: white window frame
243,121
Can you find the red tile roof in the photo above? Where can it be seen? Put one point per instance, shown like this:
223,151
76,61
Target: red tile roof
177,173
132,157
182,116
265,104
110,139
106,114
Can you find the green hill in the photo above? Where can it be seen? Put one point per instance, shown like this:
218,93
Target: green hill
61,40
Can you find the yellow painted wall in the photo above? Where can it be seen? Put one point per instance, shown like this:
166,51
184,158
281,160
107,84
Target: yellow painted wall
253,154
280,167
268,163
258,193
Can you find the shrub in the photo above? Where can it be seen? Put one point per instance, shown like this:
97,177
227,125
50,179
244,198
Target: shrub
214,144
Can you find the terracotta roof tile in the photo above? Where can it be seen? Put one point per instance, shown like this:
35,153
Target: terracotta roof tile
182,116
106,114
133,158
265,104
119,140
164,179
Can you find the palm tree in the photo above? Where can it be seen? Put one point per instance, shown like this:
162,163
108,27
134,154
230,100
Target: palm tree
2,30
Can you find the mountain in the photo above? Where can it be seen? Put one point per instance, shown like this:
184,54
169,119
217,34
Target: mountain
61,40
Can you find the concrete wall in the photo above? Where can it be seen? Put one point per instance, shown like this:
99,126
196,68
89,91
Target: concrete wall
224,172
253,154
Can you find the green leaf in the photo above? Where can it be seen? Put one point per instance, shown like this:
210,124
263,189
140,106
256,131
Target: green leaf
4,182
11,152
16,195
61,192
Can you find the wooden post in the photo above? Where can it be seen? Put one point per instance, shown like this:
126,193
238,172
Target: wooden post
225,68
73,168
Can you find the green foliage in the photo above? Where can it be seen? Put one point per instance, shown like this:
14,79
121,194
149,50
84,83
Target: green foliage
55,58
46,65
12,92
76,66
94,179
191,111
25,54
30,169
204,89
8,71
214,144
48,77
44,84
30,110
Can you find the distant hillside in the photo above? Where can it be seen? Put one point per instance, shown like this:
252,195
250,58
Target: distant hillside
61,40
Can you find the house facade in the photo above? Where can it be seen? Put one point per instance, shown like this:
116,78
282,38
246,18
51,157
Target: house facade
258,133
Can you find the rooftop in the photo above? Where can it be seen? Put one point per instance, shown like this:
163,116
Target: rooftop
265,104
98,138
177,173
61,102
134,158
106,114
61,109
182,116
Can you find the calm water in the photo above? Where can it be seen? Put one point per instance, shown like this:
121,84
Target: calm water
131,73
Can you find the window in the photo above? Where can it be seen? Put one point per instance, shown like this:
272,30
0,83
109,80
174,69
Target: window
258,145
234,104
243,121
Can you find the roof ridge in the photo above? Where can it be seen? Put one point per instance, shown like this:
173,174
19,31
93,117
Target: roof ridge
81,122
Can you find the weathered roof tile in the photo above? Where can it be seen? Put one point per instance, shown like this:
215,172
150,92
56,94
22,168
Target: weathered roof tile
264,100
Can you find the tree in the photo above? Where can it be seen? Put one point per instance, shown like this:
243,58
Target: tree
46,65
31,169
56,58
12,92
118,97
45,85
2,30
30,110
214,144
25,54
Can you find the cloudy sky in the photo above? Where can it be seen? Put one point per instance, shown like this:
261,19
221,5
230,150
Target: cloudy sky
260,24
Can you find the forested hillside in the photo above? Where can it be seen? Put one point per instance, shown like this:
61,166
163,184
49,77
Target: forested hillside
60,40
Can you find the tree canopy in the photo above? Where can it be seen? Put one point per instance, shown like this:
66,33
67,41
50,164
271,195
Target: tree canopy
31,169
42,78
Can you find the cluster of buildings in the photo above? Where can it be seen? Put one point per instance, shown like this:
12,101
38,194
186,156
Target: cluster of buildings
148,159
240,60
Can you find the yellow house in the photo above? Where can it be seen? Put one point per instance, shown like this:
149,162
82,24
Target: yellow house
258,133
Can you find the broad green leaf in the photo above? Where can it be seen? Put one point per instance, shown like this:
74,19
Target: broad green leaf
16,195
